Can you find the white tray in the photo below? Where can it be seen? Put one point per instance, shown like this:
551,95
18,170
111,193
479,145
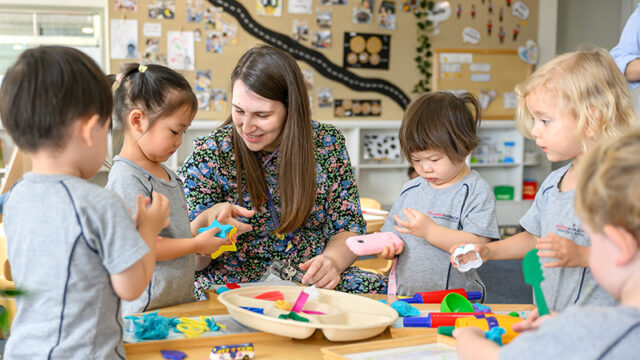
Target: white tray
347,317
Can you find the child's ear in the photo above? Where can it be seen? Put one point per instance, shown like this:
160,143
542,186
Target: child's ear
86,128
626,243
136,120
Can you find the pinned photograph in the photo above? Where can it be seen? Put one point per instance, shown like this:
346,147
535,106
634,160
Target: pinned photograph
219,100
308,76
161,9
363,12
300,30
213,18
202,81
213,44
321,39
152,46
325,98
195,11
204,100
387,15
323,18
127,5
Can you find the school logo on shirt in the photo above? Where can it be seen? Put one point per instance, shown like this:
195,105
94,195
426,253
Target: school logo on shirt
445,217
572,231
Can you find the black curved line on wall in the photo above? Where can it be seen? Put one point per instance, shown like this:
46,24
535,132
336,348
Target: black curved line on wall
311,57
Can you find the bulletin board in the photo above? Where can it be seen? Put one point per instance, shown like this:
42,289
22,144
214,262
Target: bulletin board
154,24
490,74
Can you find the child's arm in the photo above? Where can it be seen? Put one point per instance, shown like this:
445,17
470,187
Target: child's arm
471,343
129,284
568,253
514,247
423,226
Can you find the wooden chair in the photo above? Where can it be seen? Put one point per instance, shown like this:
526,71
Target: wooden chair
376,265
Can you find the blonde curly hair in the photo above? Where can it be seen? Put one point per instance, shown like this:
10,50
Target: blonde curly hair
608,188
589,86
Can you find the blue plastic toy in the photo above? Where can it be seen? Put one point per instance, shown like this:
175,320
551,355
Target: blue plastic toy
495,334
225,230
173,354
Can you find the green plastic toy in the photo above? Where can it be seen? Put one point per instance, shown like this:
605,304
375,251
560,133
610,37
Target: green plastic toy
455,302
532,271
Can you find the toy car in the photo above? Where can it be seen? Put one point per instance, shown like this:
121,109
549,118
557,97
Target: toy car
242,351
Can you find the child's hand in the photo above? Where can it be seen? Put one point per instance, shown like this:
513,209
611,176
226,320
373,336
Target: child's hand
532,322
568,253
391,251
481,249
207,242
417,223
471,341
226,213
150,221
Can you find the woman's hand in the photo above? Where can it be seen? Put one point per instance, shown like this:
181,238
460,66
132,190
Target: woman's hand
321,271
568,253
417,223
226,213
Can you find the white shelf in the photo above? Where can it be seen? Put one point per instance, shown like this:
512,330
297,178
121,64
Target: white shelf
494,165
384,166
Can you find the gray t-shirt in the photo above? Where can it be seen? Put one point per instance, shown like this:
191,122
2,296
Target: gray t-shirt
552,212
467,205
587,332
65,237
172,281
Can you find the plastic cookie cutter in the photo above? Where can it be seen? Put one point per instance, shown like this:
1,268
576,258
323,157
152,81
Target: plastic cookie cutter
226,231
470,257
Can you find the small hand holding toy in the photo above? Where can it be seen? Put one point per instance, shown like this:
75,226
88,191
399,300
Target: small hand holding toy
226,231
375,243
417,223
467,258
533,276
567,252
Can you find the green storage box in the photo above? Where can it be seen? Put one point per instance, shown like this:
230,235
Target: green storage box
503,192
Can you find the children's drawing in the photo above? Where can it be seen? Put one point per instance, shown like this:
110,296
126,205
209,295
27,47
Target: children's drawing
180,50
124,39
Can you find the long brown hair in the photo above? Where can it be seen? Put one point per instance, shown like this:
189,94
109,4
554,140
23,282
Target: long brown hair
275,75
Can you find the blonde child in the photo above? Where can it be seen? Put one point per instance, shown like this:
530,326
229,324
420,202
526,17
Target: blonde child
154,106
447,203
566,105
72,245
608,200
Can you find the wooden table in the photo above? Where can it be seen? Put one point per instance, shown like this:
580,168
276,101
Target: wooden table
267,346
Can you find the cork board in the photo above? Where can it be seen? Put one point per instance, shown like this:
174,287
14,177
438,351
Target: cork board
490,74
401,71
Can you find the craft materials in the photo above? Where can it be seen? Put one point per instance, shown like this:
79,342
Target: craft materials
486,322
435,319
257,310
192,328
222,289
455,302
480,308
308,293
270,295
532,271
293,316
173,354
152,326
233,286
469,255
226,231
283,305
405,309
495,334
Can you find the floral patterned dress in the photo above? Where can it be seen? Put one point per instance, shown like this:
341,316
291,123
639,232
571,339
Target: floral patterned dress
209,177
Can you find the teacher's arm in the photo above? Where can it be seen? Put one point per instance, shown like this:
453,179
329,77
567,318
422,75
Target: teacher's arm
324,270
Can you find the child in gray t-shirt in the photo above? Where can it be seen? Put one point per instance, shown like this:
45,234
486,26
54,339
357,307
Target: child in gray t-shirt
606,200
154,105
446,204
559,109
73,246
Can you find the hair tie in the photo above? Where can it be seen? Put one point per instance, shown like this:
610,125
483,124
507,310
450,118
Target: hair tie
142,68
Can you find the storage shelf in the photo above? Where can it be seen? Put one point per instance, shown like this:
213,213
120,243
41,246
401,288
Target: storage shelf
383,166
494,165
